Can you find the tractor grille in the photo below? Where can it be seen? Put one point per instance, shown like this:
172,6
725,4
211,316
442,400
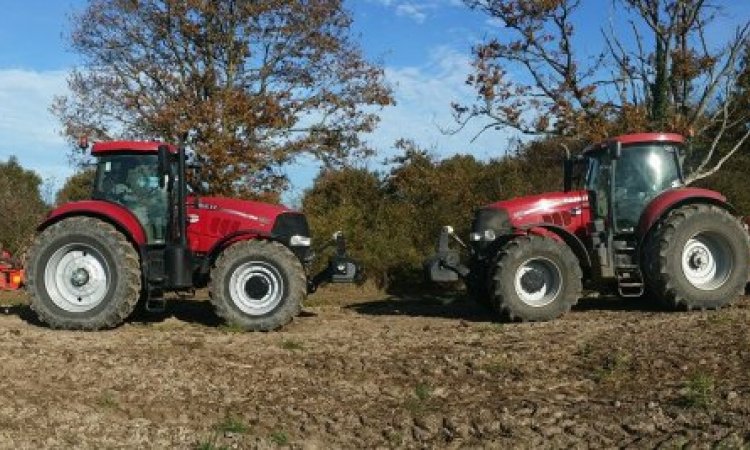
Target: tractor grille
289,224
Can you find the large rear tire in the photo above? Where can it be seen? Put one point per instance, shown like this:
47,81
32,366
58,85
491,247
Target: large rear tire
700,258
83,274
258,285
536,279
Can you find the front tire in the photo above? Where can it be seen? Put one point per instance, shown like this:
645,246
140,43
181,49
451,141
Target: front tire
536,279
83,274
701,258
258,285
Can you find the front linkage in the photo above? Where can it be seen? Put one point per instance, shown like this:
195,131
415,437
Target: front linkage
445,266
340,269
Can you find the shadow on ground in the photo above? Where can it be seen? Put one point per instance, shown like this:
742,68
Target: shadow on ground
453,306
188,310
456,307
459,307
21,311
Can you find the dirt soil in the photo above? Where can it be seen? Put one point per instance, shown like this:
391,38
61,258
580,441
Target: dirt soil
381,372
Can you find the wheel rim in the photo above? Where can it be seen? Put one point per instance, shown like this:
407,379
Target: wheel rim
538,282
256,287
77,278
707,261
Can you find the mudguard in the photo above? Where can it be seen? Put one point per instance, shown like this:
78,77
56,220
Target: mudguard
116,214
570,239
674,198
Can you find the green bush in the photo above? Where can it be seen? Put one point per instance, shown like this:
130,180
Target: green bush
22,206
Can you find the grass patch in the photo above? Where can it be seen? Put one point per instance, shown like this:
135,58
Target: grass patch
494,327
13,298
699,391
229,424
498,366
231,328
395,438
292,345
210,445
719,317
613,364
585,350
279,438
108,400
419,402
423,392
232,425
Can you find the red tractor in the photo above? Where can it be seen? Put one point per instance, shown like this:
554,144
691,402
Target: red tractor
632,228
143,234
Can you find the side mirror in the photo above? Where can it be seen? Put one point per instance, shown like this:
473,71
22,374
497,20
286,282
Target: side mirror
615,149
163,164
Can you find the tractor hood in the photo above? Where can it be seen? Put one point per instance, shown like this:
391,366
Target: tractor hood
263,214
220,216
550,207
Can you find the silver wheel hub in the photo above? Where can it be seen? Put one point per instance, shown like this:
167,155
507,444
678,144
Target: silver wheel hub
707,261
80,277
538,282
256,288
76,278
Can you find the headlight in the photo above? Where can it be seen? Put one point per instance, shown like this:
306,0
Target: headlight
488,235
488,225
300,241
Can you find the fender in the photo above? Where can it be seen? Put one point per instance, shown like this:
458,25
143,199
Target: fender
675,198
573,241
226,241
114,213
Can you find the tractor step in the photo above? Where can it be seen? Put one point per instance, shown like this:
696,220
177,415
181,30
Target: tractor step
629,282
156,305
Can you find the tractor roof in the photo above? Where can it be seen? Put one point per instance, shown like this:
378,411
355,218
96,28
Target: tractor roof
637,138
102,148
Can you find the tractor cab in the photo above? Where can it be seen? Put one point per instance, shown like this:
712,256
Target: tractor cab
623,175
130,175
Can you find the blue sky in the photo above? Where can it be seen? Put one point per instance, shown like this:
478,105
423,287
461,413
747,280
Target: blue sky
423,45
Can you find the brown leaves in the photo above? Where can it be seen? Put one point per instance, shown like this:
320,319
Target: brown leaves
247,85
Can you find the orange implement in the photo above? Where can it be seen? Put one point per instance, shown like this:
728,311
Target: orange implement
10,278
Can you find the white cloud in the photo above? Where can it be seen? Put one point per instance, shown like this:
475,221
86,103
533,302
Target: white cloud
413,11
417,10
423,96
27,128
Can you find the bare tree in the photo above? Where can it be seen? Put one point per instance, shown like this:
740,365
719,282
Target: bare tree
656,71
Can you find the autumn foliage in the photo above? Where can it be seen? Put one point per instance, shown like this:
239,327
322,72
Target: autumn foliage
249,86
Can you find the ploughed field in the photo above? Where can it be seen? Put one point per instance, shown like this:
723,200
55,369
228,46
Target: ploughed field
367,370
